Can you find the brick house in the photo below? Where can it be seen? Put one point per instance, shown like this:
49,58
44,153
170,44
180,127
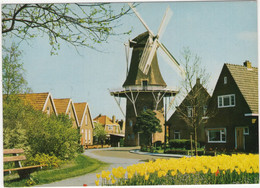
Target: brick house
40,101
110,125
178,123
235,124
85,123
66,106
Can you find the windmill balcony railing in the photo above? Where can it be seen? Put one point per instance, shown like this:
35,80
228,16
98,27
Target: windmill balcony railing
144,88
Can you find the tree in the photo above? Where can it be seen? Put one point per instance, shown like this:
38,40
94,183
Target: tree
147,124
99,132
193,110
78,24
36,132
13,72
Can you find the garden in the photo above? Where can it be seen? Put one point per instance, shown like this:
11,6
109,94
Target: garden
221,169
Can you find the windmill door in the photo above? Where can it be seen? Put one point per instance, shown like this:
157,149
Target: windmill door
239,138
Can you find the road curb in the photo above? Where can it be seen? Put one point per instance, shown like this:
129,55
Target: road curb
137,151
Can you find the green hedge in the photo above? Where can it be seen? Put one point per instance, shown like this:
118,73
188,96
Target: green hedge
182,143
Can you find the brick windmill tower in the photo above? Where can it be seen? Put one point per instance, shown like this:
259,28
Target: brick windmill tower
144,87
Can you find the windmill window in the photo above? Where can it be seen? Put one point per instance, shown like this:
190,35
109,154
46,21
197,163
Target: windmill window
145,84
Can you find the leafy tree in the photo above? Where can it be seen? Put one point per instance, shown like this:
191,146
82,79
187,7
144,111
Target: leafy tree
83,24
99,132
193,110
13,72
35,132
147,124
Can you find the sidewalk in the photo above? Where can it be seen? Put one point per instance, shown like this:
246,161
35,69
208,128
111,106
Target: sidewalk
90,178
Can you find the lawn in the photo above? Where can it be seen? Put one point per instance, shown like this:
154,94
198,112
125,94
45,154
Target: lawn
79,166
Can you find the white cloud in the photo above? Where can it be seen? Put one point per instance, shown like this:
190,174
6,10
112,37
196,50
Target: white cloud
247,36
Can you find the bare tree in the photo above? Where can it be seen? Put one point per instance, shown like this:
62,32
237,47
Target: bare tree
77,24
193,110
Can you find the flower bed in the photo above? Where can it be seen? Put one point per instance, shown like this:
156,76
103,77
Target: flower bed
222,169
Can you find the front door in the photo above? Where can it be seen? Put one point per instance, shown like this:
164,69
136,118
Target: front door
240,138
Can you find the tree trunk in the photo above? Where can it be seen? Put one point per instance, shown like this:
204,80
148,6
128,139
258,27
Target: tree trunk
195,140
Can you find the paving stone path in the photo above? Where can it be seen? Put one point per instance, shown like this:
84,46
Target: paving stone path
114,156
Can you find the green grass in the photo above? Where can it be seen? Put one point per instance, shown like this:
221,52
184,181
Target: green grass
79,166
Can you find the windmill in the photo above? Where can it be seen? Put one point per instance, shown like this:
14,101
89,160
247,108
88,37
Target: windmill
144,87
153,43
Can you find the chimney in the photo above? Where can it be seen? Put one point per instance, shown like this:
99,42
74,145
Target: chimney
113,119
198,81
247,64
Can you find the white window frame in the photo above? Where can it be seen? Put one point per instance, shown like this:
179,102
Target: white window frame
225,80
221,98
86,135
189,111
244,131
220,141
177,132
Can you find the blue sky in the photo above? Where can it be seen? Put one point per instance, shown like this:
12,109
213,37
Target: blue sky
218,32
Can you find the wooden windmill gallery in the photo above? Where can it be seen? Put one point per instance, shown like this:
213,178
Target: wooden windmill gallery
144,87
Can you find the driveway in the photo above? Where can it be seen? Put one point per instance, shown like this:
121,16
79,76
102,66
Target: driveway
115,156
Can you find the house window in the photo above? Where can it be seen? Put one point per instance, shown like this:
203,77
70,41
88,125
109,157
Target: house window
177,134
225,80
86,119
89,135
69,114
132,136
82,131
226,101
246,131
189,110
48,110
86,135
217,135
205,108
130,123
110,127
144,108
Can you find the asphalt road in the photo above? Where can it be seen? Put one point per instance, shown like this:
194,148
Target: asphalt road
115,156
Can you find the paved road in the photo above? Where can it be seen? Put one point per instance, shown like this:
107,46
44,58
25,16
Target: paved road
115,156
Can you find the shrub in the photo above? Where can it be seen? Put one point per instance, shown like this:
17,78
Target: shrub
44,159
35,132
182,143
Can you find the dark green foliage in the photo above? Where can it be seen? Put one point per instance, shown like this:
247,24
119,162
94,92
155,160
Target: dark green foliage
146,124
181,143
99,133
35,132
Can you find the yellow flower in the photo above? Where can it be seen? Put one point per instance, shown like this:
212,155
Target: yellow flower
97,182
113,181
98,176
146,177
173,173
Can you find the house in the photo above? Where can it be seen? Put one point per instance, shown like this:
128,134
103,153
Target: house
66,106
180,123
235,124
40,101
112,128
85,123
111,125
